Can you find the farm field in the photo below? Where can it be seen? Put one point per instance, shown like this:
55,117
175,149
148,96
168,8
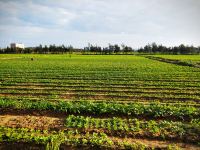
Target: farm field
98,102
185,60
181,57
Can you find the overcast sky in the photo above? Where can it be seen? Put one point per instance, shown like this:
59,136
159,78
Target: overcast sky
78,22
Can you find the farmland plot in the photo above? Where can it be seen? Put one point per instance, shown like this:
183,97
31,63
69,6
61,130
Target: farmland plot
106,102
183,60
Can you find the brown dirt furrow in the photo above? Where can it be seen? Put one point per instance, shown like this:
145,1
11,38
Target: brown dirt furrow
31,121
157,143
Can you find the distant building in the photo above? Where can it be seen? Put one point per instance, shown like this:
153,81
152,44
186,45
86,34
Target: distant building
17,45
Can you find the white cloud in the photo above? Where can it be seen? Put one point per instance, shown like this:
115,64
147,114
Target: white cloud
135,22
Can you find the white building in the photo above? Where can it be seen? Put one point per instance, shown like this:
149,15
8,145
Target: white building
17,45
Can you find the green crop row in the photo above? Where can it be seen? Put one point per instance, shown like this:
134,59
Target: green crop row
55,140
152,110
99,88
189,132
89,79
139,92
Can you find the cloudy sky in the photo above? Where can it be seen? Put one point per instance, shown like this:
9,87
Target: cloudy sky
79,22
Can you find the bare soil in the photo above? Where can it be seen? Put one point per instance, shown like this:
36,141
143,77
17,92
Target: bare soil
33,122
157,144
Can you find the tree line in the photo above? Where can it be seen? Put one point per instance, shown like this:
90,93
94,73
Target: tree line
52,49
110,49
181,49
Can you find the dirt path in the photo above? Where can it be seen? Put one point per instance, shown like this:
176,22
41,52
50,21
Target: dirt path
156,143
173,61
33,122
